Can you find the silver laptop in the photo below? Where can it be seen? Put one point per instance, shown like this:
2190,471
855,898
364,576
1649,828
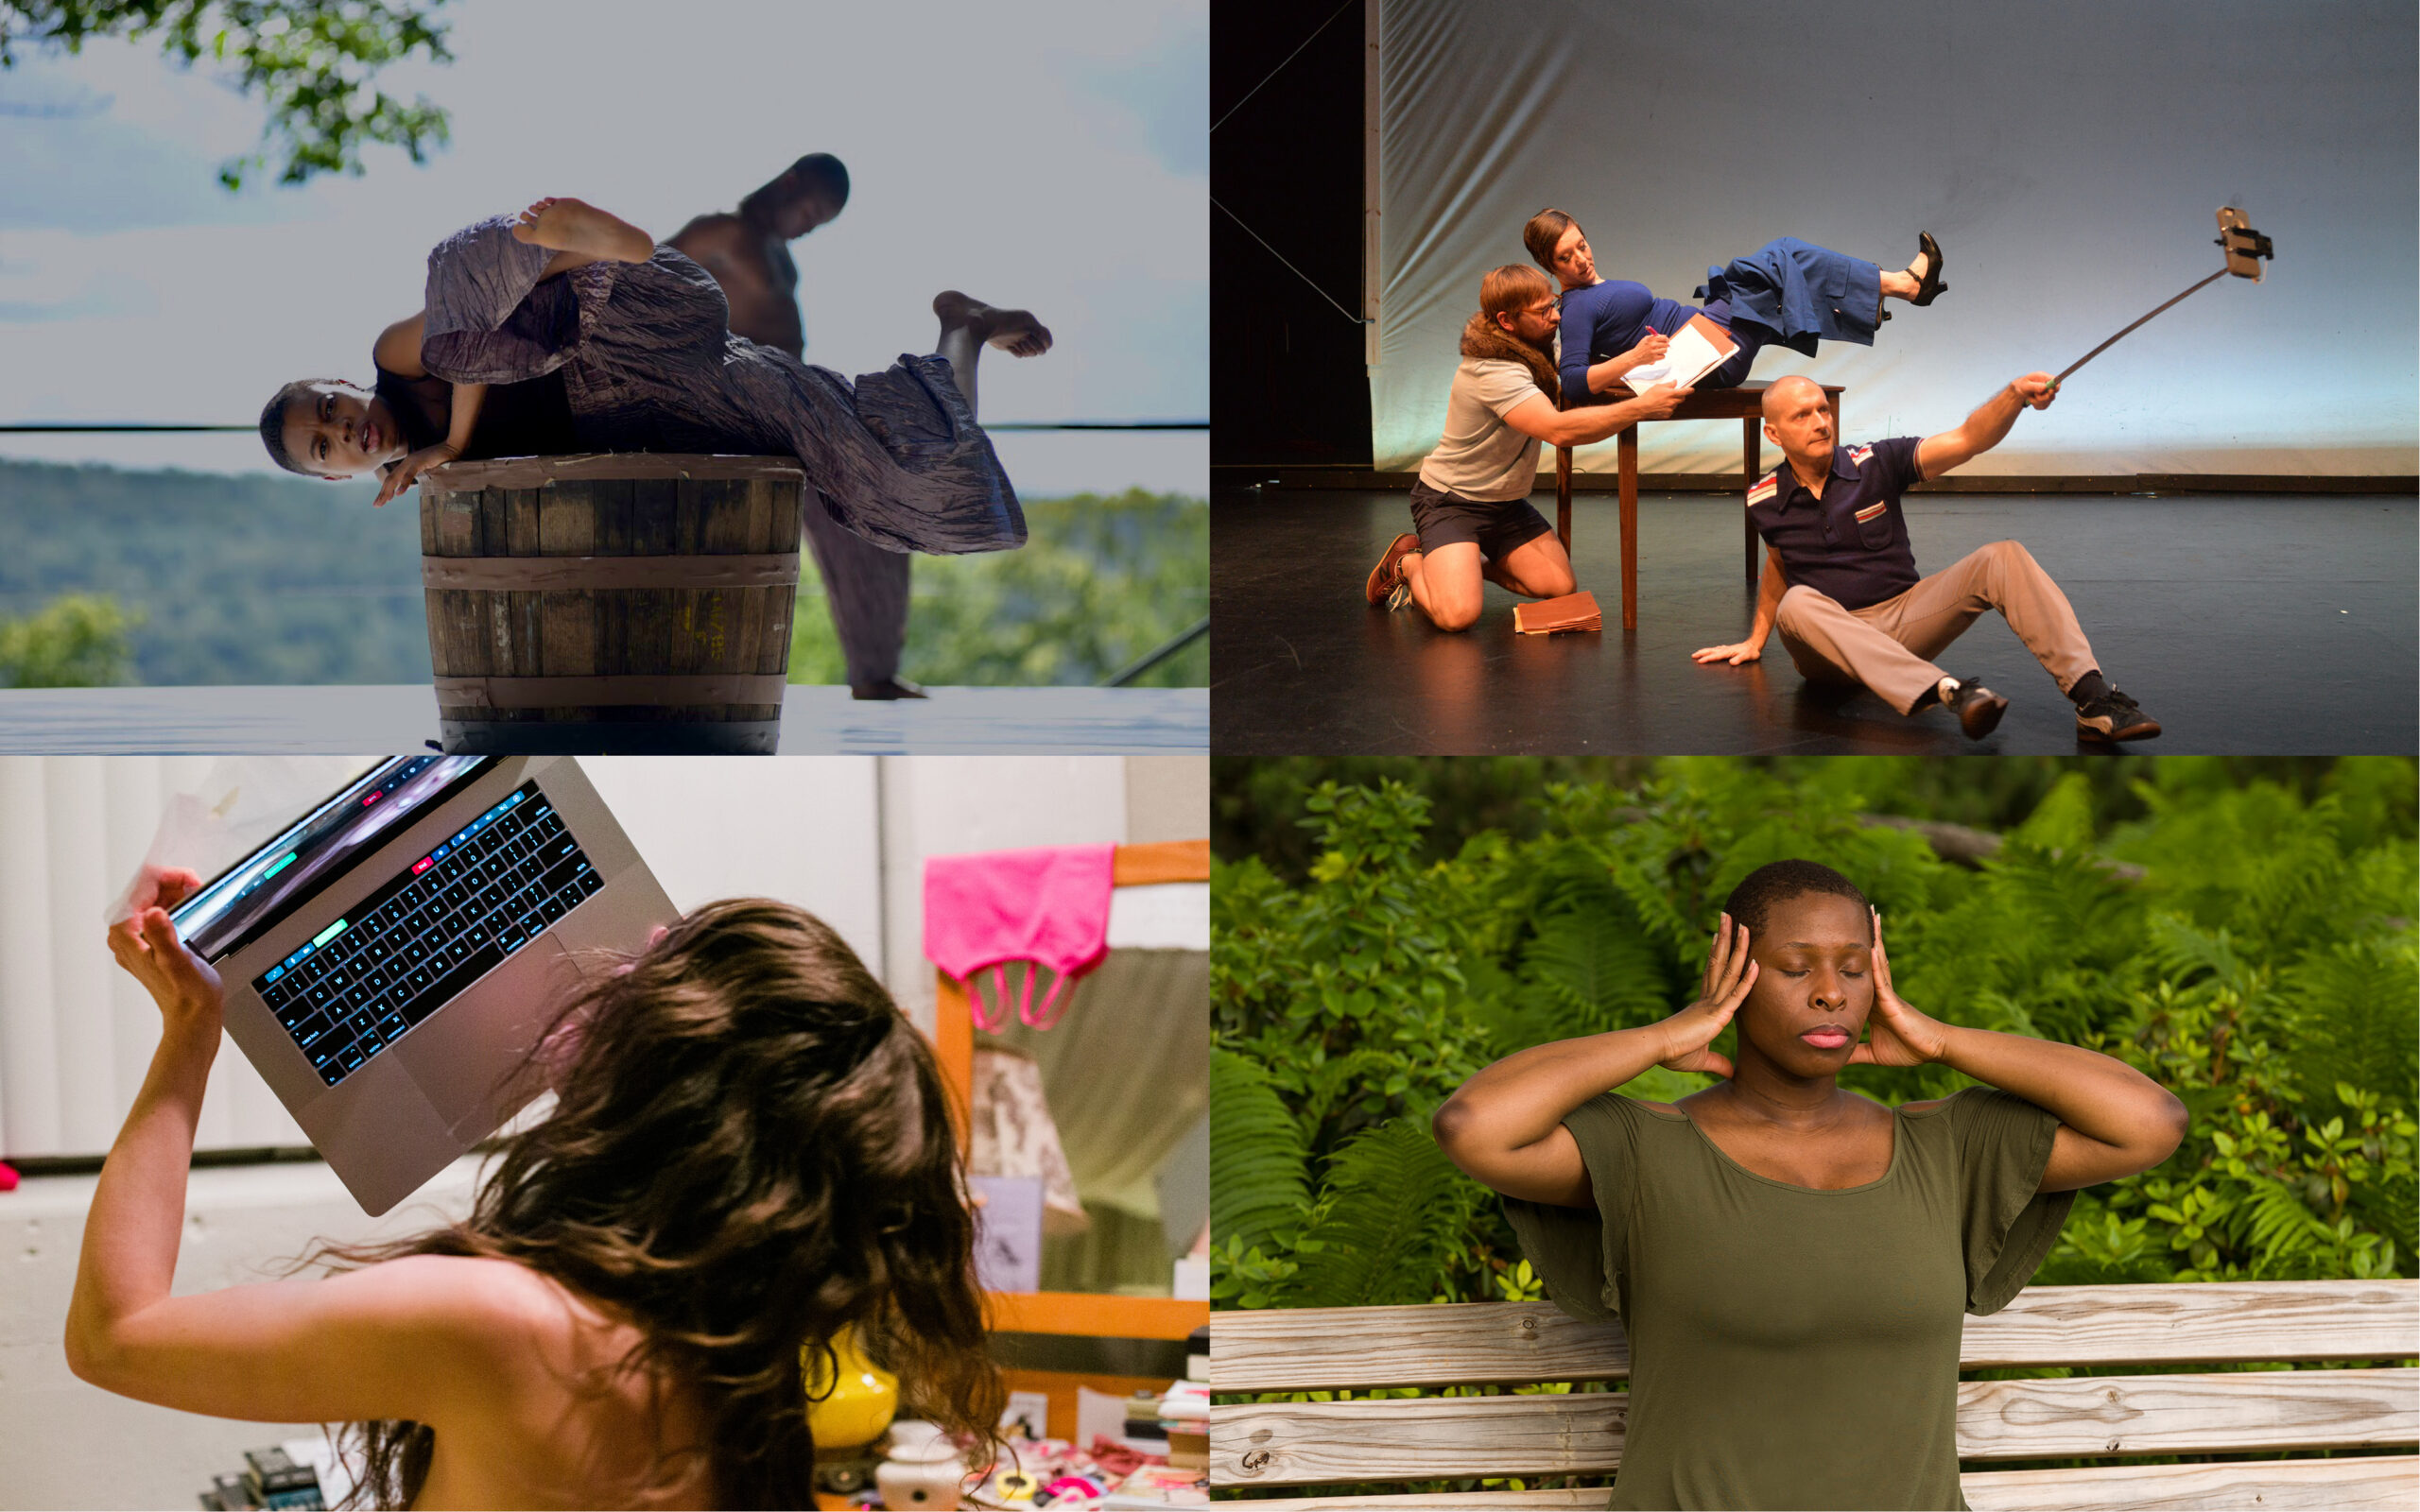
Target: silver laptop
393,957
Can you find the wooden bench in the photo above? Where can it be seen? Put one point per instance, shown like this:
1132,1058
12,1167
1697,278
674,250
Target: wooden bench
1305,1444
1745,404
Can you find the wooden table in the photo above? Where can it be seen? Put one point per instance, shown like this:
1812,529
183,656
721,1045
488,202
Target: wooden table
1744,404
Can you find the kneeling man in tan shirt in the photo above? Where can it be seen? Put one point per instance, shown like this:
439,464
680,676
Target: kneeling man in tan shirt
1471,505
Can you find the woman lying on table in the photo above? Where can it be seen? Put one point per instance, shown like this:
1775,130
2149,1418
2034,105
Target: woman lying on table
1787,293
564,328
748,1152
1792,1262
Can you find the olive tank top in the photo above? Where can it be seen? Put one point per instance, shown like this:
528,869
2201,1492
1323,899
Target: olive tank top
1791,1347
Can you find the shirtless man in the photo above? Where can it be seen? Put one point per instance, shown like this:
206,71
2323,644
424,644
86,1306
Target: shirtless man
748,252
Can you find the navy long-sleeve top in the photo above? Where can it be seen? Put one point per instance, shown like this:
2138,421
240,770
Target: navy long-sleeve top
1609,319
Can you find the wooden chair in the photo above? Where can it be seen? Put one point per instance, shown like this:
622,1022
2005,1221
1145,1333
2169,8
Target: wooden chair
1296,1444
1744,404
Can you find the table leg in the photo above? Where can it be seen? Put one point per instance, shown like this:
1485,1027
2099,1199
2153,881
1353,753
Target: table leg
1751,457
1562,496
1630,527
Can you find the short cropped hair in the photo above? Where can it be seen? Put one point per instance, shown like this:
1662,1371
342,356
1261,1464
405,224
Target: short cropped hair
1513,287
1545,229
824,169
1777,881
273,422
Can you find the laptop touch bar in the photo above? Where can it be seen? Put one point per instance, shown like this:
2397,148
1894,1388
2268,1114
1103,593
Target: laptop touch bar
415,944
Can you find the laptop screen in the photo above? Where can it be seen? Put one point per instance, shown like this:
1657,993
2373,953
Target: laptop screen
336,835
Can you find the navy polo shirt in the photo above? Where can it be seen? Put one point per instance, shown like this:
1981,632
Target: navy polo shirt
1852,544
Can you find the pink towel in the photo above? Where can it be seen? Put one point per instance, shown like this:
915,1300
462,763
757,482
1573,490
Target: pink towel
1048,906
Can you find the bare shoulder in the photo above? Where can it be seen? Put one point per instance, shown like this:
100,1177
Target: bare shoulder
718,232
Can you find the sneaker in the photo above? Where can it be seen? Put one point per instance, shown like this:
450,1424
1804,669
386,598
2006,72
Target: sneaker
2114,717
1977,708
1386,576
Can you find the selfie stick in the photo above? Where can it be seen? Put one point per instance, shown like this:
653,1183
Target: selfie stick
2244,249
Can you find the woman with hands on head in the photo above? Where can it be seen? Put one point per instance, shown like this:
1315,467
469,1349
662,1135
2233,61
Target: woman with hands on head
749,1153
1791,1260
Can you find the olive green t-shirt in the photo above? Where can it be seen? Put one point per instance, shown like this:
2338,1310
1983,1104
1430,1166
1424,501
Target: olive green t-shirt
1790,1346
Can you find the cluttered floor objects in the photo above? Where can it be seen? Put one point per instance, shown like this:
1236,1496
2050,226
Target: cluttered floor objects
2253,623
1153,1452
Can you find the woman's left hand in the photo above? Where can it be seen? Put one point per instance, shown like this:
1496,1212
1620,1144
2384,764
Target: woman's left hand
183,984
1896,1035
399,478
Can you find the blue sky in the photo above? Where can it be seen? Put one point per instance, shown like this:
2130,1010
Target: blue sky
1051,155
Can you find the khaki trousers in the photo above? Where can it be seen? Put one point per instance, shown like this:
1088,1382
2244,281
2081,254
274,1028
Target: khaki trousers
1889,647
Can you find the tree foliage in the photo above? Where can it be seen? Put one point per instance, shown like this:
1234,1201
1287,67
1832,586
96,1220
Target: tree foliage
2247,939
264,578
314,63
1099,582
79,640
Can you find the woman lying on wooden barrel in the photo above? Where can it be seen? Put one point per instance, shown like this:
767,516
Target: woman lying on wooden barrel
564,328
1791,1260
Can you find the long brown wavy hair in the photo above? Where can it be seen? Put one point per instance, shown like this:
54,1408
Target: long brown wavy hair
749,1152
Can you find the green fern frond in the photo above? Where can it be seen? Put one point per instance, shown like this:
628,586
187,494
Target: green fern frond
1257,1157
1600,972
1389,1218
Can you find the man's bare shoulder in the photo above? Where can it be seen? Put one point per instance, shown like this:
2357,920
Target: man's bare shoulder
719,230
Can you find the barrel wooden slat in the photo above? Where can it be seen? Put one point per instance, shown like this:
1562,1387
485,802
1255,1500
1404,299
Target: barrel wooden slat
507,638
1418,1439
537,472
2382,1482
1506,1343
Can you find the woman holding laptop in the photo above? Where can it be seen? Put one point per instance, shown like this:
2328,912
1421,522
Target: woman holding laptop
749,1154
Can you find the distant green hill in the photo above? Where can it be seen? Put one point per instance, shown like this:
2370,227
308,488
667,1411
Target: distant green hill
259,578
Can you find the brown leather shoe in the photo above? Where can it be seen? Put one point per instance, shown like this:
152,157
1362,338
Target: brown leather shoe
1977,708
1384,577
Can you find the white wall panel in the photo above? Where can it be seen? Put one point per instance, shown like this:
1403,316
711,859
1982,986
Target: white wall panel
803,828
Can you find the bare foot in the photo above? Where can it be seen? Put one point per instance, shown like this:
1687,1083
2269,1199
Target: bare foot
1015,331
565,225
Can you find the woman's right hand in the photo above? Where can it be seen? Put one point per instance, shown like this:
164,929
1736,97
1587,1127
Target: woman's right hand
184,986
1729,974
1650,350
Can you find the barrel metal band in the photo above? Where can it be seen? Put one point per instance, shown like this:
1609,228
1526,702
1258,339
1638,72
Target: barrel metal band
653,689
497,575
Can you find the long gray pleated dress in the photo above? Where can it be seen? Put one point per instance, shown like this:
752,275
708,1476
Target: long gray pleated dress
650,364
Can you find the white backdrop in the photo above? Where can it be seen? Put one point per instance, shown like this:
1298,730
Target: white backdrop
2067,155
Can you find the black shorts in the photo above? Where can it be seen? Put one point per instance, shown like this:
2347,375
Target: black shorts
1497,529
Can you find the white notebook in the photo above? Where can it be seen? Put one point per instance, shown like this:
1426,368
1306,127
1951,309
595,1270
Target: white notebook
1694,350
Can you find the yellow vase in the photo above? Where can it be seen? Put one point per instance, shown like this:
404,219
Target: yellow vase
854,1408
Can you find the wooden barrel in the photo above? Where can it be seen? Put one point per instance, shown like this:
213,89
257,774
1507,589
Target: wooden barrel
618,602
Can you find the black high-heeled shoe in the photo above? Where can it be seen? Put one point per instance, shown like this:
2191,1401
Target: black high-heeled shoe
1930,286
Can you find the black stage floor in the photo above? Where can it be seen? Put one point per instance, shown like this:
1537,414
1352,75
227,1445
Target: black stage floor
2267,624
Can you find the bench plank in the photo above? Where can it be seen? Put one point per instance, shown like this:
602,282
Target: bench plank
1505,1343
2383,1483
1421,1439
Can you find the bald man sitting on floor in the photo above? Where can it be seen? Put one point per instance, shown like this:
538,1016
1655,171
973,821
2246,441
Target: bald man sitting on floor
1841,577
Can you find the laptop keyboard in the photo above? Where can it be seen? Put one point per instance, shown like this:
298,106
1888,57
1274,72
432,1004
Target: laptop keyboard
412,947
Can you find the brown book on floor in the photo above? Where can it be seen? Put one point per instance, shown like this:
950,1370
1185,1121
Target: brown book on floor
1573,612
